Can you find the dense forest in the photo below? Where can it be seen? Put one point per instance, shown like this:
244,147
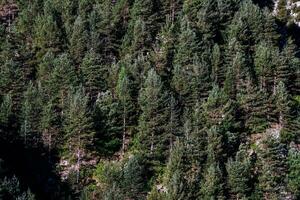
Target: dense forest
149,99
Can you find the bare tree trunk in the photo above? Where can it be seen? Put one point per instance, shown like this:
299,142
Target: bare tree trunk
152,142
78,163
274,85
25,133
49,146
124,130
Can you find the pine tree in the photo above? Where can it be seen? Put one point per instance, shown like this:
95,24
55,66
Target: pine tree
46,35
239,175
254,107
107,23
78,129
270,30
174,175
133,178
272,169
49,126
282,11
227,9
6,110
285,116
93,74
62,77
142,27
30,114
163,51
265,64
188,68
107,116
208,22
173,126
220,111
152,137
287,65
212,185
294,172
78,40
124,95
171,9
68,10
218,67
215,144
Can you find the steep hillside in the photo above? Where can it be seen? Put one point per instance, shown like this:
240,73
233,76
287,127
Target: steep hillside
152,99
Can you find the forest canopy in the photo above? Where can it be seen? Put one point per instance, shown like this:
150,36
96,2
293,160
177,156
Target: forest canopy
149,99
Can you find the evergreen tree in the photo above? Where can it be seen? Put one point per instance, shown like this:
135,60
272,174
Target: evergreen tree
142,27
254,108
272,169
218,67
208,22
108,123
239,175
222,112
294,172
6,111
212,185
46,35
215,143
191,74
153,138
30,114
133,178
287,65
174,177
78,128
282,11
124,95
265,64
93,74
164,50
78,40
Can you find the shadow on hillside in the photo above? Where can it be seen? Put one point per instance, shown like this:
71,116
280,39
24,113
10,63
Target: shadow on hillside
34,170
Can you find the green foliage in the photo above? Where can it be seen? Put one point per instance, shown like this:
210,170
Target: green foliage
30,112
78,40
293,172
152,137
212,184
6,110
239,174
10,189
273,168
78,127
163,99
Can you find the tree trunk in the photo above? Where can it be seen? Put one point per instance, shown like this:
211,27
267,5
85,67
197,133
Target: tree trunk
124,130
